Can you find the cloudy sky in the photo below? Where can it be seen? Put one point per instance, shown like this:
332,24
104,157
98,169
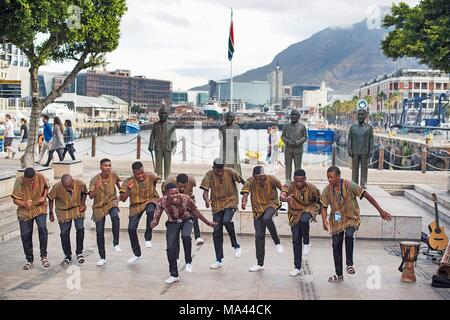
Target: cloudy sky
185,41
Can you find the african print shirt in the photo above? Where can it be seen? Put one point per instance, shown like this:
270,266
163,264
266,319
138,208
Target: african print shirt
263,197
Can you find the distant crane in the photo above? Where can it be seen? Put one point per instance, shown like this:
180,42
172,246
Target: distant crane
437,118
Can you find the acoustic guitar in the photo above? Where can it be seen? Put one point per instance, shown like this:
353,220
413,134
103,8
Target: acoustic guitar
437,240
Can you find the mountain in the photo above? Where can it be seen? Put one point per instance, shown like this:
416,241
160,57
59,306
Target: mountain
343,57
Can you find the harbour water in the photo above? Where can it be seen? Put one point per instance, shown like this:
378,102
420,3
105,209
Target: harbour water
202,146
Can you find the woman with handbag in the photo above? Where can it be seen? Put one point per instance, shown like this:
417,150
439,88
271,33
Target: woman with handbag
69,137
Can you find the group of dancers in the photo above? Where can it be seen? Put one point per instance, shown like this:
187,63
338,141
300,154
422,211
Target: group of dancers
67,198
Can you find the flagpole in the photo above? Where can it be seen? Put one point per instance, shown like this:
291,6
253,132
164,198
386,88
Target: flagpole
231,86
231,67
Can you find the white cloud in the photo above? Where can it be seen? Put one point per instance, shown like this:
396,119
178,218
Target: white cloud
185,41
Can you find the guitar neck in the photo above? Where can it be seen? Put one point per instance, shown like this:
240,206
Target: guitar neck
436,214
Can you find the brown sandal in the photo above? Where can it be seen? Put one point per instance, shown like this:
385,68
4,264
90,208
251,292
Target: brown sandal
335,278
45,262
28,266
351,270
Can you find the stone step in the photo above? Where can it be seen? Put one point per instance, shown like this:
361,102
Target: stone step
427,204
9,231
443,196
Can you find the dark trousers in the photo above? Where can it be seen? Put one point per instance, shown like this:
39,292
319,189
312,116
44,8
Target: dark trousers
260,223
196,228
26,233
224,218
338,239
60,153
300,236
288,157
65,237
173,230
100,230
133,223
196,232
69,148
360,161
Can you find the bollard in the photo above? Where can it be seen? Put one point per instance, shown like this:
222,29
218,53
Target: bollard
424,156
93,146
381,158
333,157
183,145
138,147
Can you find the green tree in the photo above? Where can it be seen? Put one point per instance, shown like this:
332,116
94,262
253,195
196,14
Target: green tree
421,32
55,31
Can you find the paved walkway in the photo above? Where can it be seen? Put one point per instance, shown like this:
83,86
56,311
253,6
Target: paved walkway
145,280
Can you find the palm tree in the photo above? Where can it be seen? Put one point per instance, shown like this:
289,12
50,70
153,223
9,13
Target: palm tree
396,100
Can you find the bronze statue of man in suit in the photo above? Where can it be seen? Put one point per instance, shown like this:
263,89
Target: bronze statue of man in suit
360,145
229,135
163,141
294,136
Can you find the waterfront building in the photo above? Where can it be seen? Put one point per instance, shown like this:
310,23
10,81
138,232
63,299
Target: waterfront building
408,83
251,93
179,97
135,90
16,67
102,107
315,99
275,79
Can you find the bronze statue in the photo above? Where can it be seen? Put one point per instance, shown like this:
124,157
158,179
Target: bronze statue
360,145
294,136
229,135
163,141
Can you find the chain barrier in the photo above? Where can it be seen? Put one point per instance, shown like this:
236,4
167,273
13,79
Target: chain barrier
402,167
436,168
119,154
116,143
399,156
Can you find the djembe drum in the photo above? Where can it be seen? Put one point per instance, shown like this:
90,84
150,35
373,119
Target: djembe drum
410,252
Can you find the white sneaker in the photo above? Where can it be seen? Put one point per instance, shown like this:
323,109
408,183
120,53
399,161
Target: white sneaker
172,280
279,248
199,241
256,268
148,244
294,272
306,249
133,259
101,262
188,267
237,252
216,265
117,249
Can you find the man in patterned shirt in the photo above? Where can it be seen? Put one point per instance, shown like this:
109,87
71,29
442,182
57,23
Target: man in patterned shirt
265,203
30,196
70,197
224,201
303,206
345,219
179,208
185,185
102,189
141,189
